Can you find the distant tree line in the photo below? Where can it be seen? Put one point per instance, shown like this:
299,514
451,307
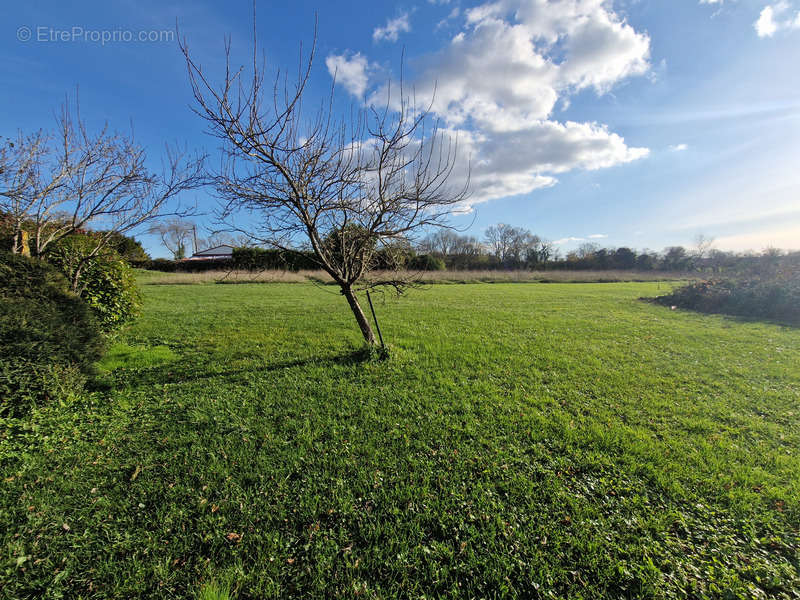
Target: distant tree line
505,247
508,247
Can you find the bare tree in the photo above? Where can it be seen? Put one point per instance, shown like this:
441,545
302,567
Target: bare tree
510,244
344,187
31,170
54,184
498,238
223,238
443,242
544,250
702,246
587,250
175,234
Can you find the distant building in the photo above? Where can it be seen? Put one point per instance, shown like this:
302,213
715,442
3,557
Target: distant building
223,252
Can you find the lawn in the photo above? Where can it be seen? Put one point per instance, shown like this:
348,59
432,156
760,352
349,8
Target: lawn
523,440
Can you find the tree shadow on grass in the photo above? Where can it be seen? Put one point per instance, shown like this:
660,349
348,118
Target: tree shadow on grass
189,369
742,319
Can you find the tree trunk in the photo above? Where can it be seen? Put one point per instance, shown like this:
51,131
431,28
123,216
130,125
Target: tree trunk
361,319
24,243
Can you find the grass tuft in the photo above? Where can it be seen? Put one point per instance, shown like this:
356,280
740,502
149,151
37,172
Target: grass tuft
214,591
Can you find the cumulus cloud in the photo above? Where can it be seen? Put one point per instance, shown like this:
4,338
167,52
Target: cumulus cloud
598,236
349,70
774,17
515,58
568,240
393,28
496,83
679,147
509,163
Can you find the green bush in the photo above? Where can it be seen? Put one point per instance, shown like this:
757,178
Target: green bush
50,339
426,262
256,259
105,281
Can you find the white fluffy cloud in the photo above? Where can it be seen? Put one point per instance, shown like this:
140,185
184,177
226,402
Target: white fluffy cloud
774,17
349,70
569,240
515,58
391,31
679,147
508,163
766,26
496,83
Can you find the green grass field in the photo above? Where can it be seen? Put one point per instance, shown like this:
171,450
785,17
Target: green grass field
523,440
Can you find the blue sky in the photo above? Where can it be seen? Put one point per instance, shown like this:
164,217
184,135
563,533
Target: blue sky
639,123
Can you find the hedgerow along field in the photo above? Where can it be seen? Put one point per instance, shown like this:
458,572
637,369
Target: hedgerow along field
523,440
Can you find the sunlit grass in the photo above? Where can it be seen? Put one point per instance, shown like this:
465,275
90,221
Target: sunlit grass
521,441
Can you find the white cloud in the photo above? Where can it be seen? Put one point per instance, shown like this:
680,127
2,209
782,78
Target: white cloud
770,21
454,14
508,68
765,25
568,240
351,71
509,163
598,236
711,1
392,29
679,147
496,83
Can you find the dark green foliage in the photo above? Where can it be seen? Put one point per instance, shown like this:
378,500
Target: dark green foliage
676,259
769,297
6,232
624,258
105,281
127,247
48,336
426,262
166,265
260,259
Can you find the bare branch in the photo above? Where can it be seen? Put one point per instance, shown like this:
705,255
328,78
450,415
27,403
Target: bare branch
344,186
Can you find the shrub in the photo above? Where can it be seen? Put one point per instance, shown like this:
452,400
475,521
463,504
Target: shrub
426,262
50,338
257,259
128,248
776,296
105,281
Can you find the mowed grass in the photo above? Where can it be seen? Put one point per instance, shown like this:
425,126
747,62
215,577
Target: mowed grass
523,440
